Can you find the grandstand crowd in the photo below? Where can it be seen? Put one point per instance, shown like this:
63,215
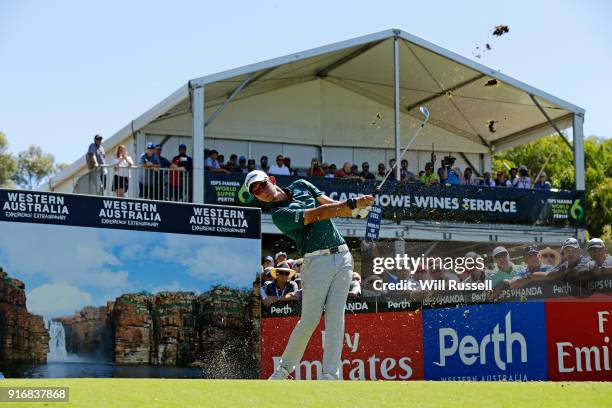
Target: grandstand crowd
280,278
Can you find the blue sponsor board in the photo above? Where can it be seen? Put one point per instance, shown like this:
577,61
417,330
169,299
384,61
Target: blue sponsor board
491,342
373,224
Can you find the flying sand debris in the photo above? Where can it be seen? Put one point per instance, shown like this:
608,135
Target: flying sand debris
500,30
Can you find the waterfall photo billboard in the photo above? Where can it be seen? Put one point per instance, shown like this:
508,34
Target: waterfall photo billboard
94,287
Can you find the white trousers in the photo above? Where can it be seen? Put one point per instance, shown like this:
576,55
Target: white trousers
325,283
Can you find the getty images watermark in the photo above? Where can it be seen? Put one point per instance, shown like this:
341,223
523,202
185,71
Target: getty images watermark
391,266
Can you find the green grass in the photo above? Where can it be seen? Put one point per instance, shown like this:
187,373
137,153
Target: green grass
118,393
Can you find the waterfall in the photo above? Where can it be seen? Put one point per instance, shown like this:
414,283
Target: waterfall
57,342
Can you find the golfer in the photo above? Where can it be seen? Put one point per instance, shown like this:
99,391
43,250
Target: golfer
303,213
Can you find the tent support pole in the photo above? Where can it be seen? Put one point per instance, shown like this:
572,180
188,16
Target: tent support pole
579,151
550,122
234,93
396,84
197,109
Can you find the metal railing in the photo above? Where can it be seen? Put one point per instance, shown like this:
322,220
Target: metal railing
165,184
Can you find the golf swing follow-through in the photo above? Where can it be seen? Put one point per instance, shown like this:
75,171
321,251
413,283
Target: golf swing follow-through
304,214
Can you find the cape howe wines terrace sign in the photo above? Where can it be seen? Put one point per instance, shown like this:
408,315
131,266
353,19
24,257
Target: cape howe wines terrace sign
414,200
106,212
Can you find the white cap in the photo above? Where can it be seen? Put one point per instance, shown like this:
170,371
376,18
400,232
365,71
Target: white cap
595,243
254,177
499,250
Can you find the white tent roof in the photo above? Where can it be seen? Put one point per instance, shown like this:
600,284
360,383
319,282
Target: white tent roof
332,96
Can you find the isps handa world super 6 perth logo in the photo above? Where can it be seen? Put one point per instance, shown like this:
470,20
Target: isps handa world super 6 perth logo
244,196
493,342
576,211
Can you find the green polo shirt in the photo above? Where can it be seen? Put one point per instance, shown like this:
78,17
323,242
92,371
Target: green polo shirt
288,216
498,275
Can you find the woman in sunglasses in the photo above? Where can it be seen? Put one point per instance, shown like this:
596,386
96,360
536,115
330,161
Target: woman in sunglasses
303,213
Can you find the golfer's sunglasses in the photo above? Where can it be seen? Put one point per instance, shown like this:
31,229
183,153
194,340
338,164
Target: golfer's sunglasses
283,273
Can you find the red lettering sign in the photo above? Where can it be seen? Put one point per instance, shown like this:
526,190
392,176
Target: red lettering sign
579,340
377,346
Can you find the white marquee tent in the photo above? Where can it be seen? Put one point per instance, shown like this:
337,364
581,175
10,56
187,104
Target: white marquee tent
362,93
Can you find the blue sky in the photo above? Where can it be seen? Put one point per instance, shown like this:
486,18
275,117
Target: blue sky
88,266
70,69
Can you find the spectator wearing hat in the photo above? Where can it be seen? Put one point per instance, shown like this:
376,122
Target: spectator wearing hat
281,288
280,257
315,170
505,269
96,159
279,168
542,182
533,264
355,286
268,262
148,163
430,177
574,266
602,261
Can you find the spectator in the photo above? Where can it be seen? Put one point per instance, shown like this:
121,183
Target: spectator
392,168
355,170
355,286
380,174
524,181
287,161
505,268
121,164
467,177
405,174
452,175
280,257
345,171
268,262
486,180
96,159
279,169
550,256
212,164
266,278
542,182
232,164
533,264
242,165
430,177
250,166
365,174
421,174
512,177
179,178
332,171
473,273
599,254
501,181
149,163
315,170
263,164
161,175
221,160
281,289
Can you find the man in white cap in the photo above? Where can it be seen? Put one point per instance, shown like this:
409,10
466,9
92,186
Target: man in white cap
599,254
303,213
505,268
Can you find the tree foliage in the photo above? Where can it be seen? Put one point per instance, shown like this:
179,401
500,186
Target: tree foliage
33,167
560,171
8,164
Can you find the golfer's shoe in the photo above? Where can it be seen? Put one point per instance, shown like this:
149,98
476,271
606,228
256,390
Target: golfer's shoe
279,374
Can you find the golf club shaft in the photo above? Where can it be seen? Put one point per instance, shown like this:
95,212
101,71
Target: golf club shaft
401,155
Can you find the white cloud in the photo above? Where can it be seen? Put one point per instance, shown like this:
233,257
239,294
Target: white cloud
56,300
174,286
